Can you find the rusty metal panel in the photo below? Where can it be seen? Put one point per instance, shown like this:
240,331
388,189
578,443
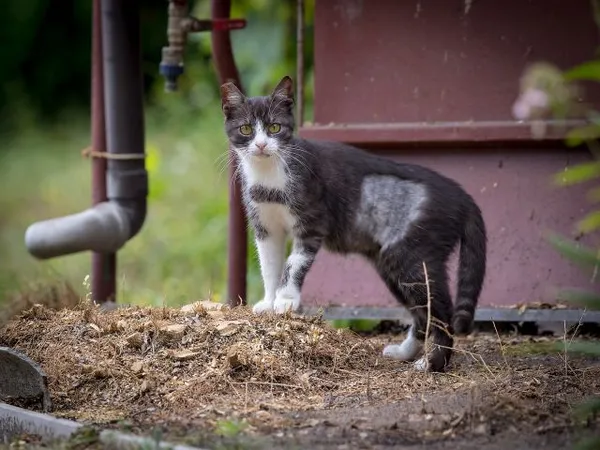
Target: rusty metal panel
430,61
432,82
519,203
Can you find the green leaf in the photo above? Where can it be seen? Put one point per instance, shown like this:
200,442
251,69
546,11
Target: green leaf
588,444
588,299
586,348
340,323
588,408
578,136
587,71
355,324
575,252
578,174
589,223
363,324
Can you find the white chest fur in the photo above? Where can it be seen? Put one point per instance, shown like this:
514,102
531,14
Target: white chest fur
269,173
275,217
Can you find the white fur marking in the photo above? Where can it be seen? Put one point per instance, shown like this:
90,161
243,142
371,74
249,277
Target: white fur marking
271,253
421,364
406,351
275,218
286,301
288,297
388,207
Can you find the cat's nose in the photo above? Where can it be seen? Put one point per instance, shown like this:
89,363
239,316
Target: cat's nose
261,146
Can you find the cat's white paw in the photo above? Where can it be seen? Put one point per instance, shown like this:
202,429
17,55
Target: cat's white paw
406,351
286,302
421,364
262,307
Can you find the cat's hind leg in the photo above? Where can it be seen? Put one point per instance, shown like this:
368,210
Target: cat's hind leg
430,305
408,350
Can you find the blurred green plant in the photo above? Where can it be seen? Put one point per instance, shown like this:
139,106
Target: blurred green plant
357,325
545,90
230,427
180,254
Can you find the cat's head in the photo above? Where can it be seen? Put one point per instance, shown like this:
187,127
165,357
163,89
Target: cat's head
259,127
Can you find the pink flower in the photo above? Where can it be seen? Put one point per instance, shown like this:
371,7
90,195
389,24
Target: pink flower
532,100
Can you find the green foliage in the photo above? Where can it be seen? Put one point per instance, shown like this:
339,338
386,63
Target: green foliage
581,298
572,250
581,135
355,324
578,174
588,71
585,257
230,427
180,254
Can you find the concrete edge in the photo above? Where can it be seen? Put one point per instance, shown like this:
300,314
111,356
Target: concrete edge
120,441
15,420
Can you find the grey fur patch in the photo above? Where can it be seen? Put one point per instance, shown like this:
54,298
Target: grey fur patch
388,207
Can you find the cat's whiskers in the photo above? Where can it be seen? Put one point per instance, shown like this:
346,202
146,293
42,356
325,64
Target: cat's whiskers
222,162
288,151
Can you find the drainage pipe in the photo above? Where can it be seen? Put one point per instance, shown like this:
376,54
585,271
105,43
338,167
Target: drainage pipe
237,251
108,225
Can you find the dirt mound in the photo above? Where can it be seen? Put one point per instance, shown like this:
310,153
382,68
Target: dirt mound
291,377
131,359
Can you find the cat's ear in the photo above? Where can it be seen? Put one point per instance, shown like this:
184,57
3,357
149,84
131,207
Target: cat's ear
285,89
231,97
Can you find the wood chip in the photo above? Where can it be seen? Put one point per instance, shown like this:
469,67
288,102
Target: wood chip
135,340
173,332
137,366
201,306
184,355
229,328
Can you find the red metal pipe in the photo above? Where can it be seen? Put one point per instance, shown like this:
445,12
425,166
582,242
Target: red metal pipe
237,251
103,281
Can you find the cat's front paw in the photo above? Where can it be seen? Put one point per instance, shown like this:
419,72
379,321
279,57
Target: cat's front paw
286,302
421,364
264,306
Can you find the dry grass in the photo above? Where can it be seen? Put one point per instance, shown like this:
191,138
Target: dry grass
200,363
56,296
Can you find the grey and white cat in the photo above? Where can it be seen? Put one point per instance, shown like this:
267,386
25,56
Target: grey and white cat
327,194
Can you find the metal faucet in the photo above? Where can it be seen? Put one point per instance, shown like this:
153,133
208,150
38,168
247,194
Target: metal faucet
178,27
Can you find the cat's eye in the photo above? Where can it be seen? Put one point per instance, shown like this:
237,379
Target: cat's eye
246,130
274,128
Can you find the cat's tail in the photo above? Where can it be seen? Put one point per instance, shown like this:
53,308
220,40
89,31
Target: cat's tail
471,271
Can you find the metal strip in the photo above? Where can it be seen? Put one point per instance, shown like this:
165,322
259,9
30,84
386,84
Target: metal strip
237,238
104,265
299,63
481,314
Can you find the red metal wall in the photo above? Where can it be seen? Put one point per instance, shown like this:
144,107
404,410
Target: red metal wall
445,73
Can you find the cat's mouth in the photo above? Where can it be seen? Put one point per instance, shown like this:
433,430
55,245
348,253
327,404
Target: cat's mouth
260,154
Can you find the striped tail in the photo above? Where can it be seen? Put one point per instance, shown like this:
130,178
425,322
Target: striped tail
471,271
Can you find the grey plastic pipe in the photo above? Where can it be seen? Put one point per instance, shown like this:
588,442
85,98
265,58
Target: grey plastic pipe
106,227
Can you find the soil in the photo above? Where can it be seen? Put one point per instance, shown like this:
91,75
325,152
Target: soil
213,377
